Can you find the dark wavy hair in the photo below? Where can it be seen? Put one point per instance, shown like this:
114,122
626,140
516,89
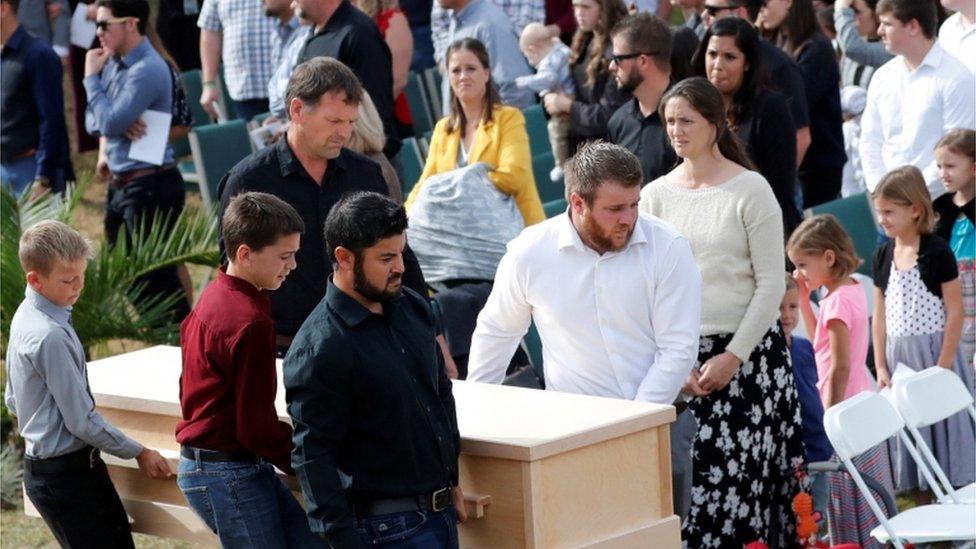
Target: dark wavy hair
754,80
492,97
707,100
611,12
797,29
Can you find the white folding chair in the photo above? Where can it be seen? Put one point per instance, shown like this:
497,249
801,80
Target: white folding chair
926,398
865,421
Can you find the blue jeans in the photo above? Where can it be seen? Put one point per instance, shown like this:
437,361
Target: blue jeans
17,175
245,504
410,530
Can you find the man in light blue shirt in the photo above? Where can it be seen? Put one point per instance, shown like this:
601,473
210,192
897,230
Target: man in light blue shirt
486,22
286,65
124,78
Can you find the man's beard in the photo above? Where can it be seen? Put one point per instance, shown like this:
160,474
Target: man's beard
633,80
371,292
600,241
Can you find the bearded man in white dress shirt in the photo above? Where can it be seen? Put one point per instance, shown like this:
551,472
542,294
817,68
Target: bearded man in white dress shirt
615,295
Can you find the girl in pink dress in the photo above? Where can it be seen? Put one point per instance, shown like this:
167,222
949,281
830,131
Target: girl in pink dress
824,257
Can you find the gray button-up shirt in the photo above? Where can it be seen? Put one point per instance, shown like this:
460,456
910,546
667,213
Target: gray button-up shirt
47,385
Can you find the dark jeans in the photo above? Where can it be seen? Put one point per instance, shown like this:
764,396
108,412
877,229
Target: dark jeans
81,508
820,185
410,530
245,504
133,207
249,108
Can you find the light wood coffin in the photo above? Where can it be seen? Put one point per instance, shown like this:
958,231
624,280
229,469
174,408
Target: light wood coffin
539,469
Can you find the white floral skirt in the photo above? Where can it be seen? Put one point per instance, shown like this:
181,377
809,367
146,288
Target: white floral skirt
748,446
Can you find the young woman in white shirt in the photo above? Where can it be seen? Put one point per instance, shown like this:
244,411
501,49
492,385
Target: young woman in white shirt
745,401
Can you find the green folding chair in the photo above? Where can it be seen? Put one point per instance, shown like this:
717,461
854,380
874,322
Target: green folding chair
216,149
432,85
555,207
535,124
857,217
193,85
548,190
420,109
413,163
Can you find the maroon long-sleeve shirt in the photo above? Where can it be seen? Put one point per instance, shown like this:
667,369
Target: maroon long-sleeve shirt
228,385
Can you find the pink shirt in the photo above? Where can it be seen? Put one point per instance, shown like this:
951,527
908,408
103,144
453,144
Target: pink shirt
849,305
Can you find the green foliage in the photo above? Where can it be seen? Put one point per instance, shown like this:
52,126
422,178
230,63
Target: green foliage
11,475
110,306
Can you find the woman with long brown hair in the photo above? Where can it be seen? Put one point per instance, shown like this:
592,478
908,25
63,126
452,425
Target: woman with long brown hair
792,25
743,394
597,93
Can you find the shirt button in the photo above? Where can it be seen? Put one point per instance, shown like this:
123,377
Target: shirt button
414,379
428,408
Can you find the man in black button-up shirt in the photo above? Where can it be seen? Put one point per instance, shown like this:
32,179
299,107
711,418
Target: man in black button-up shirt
376,437
642,50
310,170
345,33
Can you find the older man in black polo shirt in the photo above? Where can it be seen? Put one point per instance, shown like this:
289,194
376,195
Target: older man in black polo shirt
376,437
310,169
343,32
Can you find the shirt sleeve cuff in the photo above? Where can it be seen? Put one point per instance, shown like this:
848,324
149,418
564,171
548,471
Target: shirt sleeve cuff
93,84
129,450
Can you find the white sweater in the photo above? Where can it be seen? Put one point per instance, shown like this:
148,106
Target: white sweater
736,234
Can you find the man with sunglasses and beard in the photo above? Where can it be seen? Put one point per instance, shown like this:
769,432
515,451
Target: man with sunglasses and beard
615,295
376,437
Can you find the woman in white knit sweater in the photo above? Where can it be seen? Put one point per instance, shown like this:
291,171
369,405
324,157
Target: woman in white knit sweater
744,396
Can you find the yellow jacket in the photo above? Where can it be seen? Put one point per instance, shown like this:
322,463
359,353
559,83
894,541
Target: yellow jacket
503,144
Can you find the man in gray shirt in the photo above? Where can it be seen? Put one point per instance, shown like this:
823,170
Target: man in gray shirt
47,389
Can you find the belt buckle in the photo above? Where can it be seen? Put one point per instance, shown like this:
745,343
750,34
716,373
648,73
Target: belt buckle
440,499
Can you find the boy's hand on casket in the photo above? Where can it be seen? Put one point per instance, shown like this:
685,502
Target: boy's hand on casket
153,464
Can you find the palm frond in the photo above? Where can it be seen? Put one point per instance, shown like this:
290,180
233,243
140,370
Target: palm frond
112,305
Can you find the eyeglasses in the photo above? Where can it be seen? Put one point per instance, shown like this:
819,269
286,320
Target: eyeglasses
715,10
104,23
618,57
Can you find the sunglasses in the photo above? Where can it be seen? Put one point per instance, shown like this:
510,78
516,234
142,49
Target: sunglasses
715,10
104,23
617,58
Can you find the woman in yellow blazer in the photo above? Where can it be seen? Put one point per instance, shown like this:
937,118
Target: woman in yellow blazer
481,129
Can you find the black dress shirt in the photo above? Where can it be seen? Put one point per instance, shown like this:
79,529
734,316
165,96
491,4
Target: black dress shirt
369,399
275,170
645,136
769,135
821,76
353,38
594,104
786,78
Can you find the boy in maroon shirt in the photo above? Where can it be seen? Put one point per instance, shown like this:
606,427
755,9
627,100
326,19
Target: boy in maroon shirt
230,433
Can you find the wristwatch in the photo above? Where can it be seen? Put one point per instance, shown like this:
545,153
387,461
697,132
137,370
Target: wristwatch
210,84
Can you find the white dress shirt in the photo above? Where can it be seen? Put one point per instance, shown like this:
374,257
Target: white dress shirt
623,324
909,111
959,40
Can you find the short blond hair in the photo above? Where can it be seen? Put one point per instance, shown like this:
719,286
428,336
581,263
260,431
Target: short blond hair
49,241
821,233
790,283
367,134
906,186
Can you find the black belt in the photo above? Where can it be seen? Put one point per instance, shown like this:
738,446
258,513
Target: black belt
213,456
121,179
79,460
435,502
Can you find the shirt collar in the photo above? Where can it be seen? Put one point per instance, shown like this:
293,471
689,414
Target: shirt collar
290,164
933,58
240,285
569,238
16,39
338,16
468,11
136,54
351,311
61,315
